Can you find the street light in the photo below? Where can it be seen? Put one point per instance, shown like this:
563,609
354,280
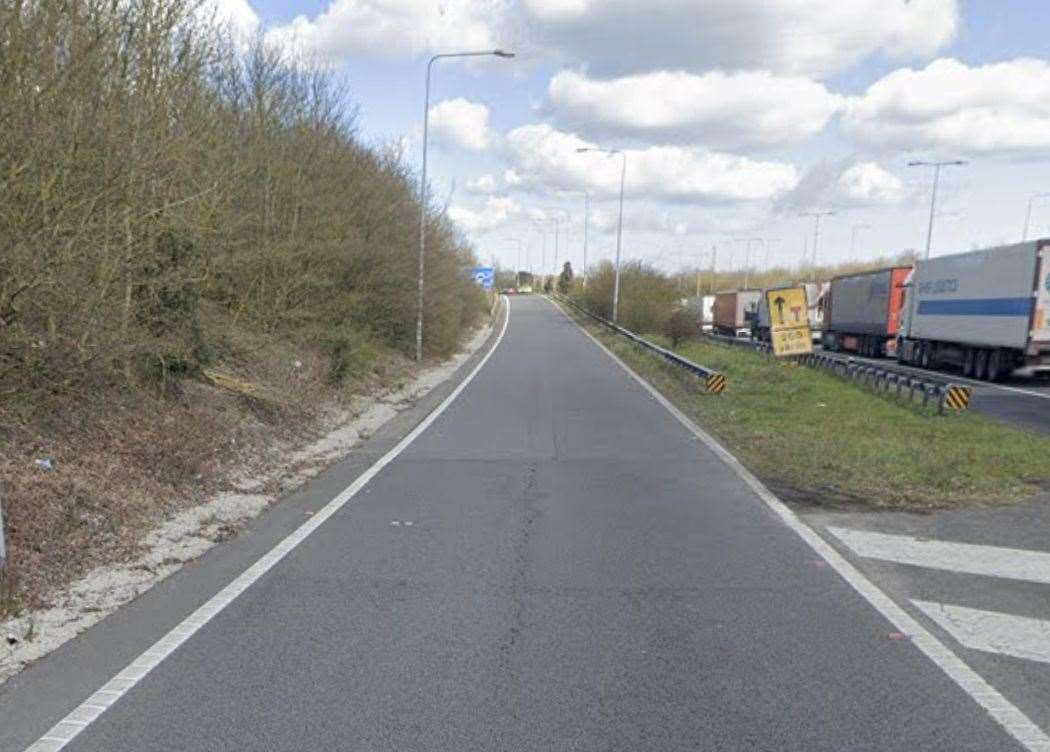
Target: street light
747,257
933,196
423,186
557,226
1028,214
853,238
816,236
517,268
619,224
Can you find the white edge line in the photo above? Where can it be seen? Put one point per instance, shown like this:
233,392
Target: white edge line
1015,722
63,732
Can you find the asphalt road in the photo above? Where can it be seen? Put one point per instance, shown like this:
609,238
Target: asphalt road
580,574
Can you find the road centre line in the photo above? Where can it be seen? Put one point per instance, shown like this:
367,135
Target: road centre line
1005,713
110,693
966,558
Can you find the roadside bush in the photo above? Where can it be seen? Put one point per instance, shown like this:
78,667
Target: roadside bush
647,296
680,326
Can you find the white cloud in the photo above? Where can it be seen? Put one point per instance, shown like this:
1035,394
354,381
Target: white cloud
545,157
461,123
869,183
481,184
816,37
236,15
844,184
716,107
1000,107
388,28
496,212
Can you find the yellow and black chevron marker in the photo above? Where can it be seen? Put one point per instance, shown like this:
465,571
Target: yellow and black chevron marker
716,382
958,397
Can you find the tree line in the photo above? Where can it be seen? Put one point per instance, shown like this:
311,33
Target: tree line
164,186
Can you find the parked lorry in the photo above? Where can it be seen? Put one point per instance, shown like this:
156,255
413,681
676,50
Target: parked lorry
733,311
760,330
985,311
701,308
862,311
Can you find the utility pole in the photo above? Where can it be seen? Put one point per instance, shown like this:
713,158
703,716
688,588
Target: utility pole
816,236
933,196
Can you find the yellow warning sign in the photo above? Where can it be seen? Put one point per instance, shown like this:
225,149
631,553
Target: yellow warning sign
789,321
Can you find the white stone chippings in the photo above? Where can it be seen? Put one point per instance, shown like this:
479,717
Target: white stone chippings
189,533
131,675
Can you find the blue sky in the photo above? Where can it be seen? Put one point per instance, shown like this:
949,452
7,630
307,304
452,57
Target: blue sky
737,115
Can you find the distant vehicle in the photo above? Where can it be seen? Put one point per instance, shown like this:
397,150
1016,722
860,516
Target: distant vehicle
707,313
702,308
734,311
986,311
524,289
760,330
509,291
861,312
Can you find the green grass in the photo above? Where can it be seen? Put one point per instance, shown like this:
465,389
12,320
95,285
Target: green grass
817,439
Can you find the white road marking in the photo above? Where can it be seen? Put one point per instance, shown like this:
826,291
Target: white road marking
991,631
80,718
1005,713
967,558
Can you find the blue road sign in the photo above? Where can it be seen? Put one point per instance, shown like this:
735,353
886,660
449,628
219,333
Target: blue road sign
484,276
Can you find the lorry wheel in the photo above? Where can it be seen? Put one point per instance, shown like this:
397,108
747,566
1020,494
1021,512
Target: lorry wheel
995,365
980,365
967,367
924,357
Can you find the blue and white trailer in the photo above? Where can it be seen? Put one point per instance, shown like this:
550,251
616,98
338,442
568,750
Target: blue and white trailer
986,311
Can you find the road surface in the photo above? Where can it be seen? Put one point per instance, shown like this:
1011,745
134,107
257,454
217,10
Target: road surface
555,563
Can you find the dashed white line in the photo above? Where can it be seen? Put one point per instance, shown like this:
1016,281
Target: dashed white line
71,726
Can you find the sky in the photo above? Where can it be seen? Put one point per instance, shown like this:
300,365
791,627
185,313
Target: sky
736,117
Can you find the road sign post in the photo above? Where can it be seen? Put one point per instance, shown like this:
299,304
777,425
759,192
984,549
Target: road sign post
789,321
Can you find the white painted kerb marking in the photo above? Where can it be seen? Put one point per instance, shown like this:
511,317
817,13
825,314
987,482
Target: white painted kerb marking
1006,714
992,631
69,727
967,558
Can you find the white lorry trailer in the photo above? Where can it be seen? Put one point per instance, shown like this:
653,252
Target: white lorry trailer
986,311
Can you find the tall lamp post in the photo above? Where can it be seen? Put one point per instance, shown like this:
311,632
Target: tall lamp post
747,256
933,196
619,223
816,236
557,226
1028,214
423,186
853,238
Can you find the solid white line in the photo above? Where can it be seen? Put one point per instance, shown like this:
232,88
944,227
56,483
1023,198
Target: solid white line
1016,723
61,733
967,558
992,631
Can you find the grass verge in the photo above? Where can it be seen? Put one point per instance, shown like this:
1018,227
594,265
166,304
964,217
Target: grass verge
817,440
